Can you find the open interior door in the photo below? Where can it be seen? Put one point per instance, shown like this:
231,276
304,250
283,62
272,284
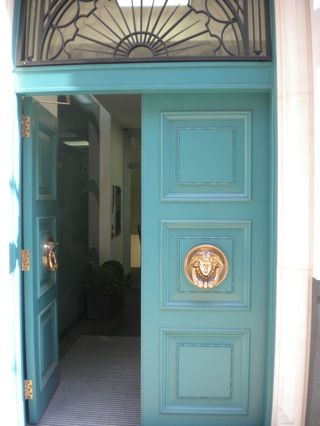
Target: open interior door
39,237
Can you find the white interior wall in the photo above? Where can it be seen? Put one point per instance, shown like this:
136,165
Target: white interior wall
117,179
49,103
126,235
111,157
295,210
135,217
132,198
93,186
135,200
105,187
135,214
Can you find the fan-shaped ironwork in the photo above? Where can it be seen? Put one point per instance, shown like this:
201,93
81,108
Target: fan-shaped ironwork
144,30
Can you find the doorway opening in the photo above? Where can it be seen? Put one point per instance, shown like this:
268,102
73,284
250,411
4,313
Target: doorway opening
98,280
206,349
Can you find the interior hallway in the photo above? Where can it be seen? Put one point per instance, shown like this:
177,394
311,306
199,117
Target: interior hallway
99,384
100,370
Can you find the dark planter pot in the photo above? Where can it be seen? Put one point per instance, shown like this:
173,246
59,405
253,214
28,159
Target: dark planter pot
103,306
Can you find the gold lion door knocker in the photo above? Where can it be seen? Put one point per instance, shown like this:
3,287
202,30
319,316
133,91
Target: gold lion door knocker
206,266
49,258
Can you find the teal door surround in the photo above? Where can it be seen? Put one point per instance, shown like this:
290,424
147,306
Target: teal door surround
192,78
138,78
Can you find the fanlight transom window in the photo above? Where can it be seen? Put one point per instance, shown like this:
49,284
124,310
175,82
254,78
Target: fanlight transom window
144,30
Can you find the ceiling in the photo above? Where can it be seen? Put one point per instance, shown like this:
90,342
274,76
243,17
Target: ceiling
126,109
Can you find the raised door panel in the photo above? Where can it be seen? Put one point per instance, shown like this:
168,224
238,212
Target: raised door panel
46,162
205,371
48,344
205,155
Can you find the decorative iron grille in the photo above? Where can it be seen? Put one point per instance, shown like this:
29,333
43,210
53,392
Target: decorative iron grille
75,31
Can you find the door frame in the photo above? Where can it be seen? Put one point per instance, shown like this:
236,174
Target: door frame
173,78
217,77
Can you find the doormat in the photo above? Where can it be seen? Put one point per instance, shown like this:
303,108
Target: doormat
99,384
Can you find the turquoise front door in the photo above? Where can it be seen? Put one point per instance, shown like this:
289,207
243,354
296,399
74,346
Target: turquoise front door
39,229
206,181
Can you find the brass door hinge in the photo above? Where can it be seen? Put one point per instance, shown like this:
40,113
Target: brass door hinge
28,389
26,123
25,260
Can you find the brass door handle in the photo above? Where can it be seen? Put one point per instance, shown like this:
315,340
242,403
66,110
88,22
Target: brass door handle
206,266
49,256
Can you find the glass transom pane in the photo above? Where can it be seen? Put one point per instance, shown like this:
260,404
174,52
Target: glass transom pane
144,30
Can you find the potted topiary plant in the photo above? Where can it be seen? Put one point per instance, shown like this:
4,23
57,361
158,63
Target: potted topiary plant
105,290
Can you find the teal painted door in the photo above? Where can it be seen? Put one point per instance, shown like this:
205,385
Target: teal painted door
206,161
40,285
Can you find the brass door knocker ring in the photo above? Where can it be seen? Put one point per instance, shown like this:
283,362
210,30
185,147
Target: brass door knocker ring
206,266
49,256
